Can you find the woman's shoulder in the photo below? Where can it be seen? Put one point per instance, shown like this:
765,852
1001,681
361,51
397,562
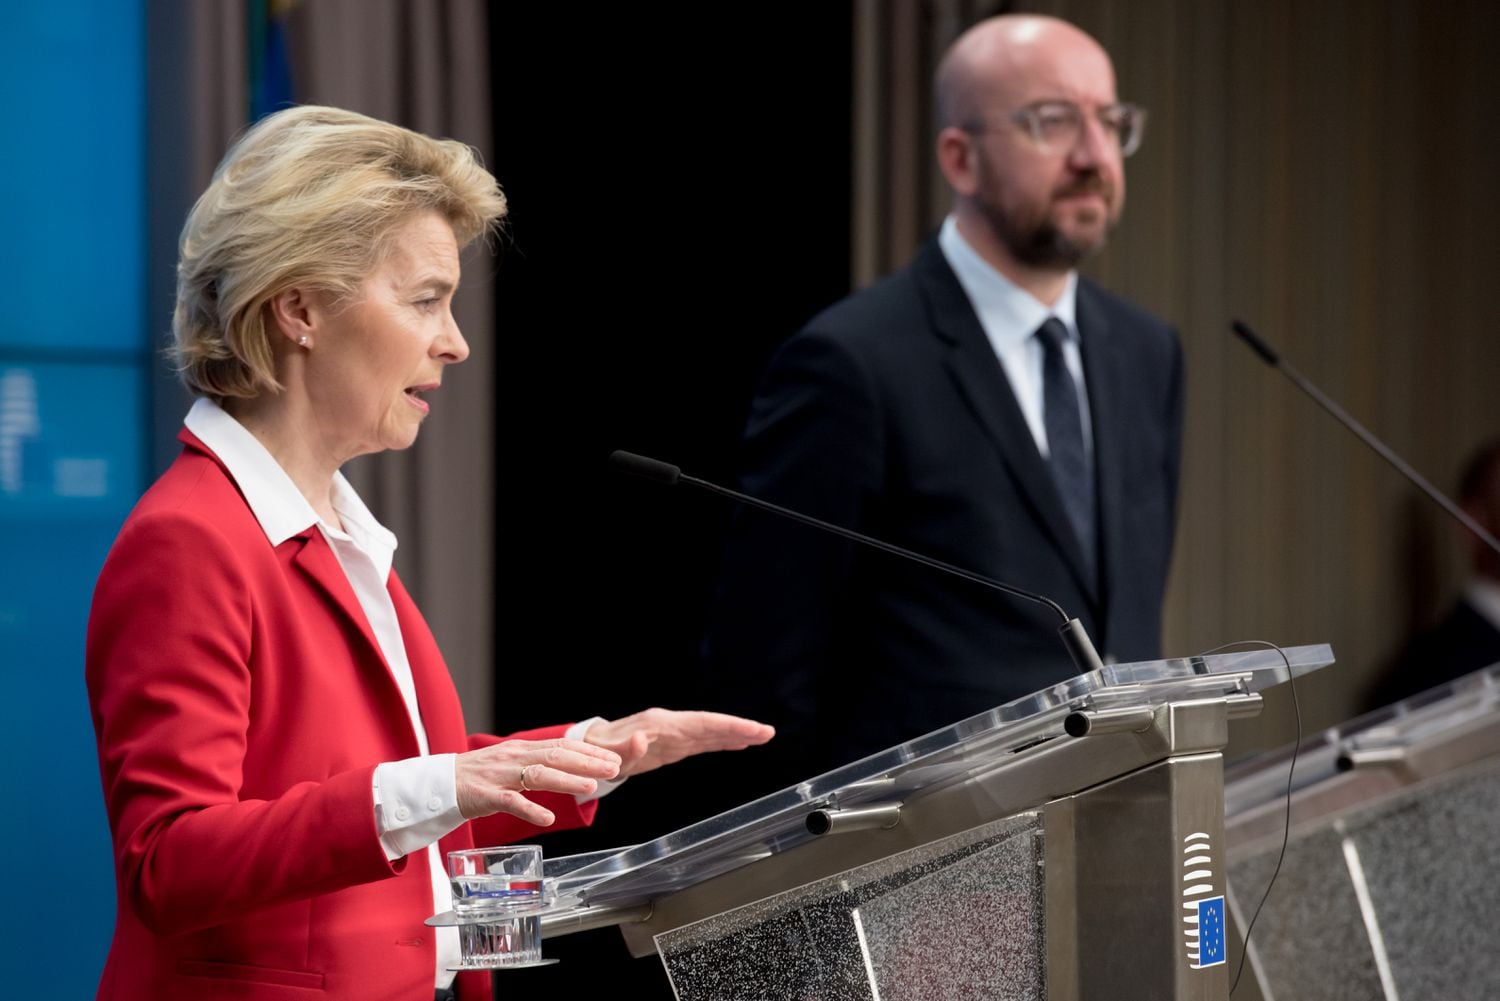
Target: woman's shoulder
195,499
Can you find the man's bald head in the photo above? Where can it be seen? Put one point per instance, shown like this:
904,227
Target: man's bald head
995,60
1030,144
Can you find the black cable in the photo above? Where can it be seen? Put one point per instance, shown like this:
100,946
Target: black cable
1286,829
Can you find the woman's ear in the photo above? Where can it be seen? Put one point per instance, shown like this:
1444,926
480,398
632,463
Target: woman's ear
295,314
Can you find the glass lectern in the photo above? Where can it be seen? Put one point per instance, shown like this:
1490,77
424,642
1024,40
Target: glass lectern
1067,845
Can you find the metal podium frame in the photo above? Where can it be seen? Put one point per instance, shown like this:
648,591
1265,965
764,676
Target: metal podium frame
1123,765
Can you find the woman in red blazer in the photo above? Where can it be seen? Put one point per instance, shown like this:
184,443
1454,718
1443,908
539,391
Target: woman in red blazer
283,754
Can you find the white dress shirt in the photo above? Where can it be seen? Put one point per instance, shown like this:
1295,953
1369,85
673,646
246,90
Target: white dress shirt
1010,316
1483,595
415,800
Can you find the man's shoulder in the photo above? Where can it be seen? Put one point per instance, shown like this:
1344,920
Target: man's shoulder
890,303
895,320
1465,626
1122,313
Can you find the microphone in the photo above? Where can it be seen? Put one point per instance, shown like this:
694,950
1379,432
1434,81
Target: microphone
1272,358
1074,637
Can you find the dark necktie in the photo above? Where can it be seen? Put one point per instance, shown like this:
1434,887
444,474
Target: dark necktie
1071,470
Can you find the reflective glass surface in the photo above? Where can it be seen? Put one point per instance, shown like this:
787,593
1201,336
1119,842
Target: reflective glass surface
777,823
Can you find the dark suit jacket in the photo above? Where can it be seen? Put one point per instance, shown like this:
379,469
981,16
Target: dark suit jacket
242,703
1463,642
890,414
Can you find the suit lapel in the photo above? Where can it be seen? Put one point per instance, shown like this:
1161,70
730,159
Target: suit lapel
1104,374
982,382
315,560
442,716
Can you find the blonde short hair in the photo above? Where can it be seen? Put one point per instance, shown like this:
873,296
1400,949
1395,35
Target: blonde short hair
307,197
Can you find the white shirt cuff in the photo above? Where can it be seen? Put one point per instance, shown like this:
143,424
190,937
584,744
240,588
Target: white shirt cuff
605,786
416,802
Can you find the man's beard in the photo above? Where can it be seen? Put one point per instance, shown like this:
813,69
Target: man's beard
1042,244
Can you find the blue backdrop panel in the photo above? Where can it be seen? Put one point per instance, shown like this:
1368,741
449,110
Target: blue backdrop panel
73,79
72,452
70,470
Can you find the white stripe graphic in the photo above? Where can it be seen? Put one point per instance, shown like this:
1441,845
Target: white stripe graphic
1372,923
864,953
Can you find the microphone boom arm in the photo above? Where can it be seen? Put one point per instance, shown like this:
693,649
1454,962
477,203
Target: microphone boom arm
1075,638
1273,359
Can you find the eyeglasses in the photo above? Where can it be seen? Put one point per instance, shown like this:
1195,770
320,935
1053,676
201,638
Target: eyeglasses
1056,126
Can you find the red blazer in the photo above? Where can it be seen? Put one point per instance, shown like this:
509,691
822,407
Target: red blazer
241,704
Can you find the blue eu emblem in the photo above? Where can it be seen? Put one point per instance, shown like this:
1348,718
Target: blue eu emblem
1210,932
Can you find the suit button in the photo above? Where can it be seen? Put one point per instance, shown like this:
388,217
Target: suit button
434,804
403,814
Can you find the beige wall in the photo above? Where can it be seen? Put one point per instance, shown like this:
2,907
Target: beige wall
1324,171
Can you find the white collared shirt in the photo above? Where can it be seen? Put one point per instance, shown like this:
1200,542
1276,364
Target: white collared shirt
1483,595
1010,316
415,800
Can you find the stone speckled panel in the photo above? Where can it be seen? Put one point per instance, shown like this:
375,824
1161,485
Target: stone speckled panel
1309,938
1431,861
972,930
803,944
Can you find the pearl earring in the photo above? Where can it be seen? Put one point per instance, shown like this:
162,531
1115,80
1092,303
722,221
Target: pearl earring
302,341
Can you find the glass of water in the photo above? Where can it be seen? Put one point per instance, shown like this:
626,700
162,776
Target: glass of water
495,879
496,898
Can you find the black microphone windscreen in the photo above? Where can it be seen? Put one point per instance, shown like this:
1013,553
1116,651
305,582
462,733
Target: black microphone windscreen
651,469
1267,353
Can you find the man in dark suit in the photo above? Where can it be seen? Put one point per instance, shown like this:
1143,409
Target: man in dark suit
985,406
1468,637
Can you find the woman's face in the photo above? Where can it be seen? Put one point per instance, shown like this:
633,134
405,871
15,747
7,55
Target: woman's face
374,360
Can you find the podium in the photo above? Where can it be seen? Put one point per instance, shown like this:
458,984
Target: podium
1067,845
1389,885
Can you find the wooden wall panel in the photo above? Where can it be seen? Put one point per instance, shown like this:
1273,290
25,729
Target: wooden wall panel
1326,172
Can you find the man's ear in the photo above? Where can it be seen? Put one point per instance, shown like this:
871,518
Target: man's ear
956,159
